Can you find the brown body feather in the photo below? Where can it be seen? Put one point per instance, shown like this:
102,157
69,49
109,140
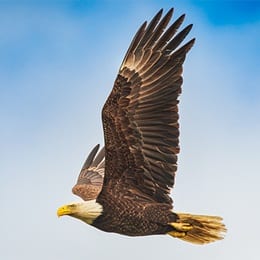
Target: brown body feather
140,121
141,129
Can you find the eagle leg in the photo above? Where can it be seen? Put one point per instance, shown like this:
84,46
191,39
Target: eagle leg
181,227
177,234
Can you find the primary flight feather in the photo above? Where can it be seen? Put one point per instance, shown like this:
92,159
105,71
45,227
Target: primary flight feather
126,186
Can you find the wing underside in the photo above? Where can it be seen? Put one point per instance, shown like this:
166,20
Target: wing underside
90,180
140,116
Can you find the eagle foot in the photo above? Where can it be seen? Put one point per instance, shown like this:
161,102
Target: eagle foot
181,227
177,234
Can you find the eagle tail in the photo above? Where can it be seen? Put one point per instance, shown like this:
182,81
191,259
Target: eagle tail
198,229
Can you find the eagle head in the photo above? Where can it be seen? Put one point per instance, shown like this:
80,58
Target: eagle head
86,211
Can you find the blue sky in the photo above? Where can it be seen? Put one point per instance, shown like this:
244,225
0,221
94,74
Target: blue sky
58,61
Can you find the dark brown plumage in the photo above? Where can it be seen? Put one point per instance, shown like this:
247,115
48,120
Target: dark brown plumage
90,180
140,120
141,129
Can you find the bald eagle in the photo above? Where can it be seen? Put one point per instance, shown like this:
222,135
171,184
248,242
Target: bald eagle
126,186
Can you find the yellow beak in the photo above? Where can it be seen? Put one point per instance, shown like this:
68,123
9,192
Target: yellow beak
64,210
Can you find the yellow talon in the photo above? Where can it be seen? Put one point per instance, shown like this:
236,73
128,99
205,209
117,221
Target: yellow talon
182,227
177,234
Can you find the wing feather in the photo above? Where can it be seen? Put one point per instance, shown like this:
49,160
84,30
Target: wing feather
90,180
140,116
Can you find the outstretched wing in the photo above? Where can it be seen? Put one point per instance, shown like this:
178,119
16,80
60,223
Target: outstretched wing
140,116
90,180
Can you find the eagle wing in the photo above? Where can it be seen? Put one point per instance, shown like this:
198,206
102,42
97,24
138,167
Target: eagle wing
140,116
90,180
